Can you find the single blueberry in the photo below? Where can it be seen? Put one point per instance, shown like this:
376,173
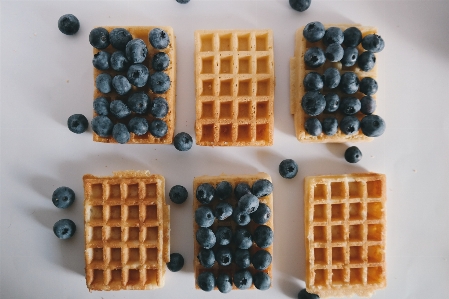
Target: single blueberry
223,256
120,133
333,35
119,62
138,75
101,106
262,281
263,236
261,259
205,193
223,210
224,281
103,82
206,257
314,57
350,56
101,60
241,189
158,38
300,5
248,203
349,125
373,43
242,258
63,197
330,126
204,216
64,228
334,52
183,141
183,2
178,194
303,294
368,105
206,281
159,107
102,126
288,169
159,82
136,51
223,235
313,103
138,102
160,61
68,24
243,279
205,237
332,102
99,38
366,61
313,81
349,83
262,214
313,126
372,125
138,126
368,86
352,37
77,123
314,31
119,109
176,262
240,217
223,190
350,105
243,238
121,84
353,154
331,77
262,187
158,128
119,37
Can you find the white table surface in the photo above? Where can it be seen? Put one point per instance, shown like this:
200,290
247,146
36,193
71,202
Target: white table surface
47,76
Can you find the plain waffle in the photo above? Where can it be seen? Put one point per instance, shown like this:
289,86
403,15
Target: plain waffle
127,231
345,232
234,74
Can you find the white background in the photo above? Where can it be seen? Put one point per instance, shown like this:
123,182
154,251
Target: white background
47,76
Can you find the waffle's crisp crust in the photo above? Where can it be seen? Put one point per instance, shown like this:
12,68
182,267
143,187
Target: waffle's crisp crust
345,234
234,76
234,180
127,231
170,95
298,70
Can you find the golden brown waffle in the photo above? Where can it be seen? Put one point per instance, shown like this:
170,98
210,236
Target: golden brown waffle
298,70
127,231
234,74
233,180
345,232
170,95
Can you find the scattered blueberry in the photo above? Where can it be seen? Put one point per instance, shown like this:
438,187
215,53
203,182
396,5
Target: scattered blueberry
102,126
248,203
206,281
243,279
262,281
313,81
68,24
313,103
121,84
241,189
334,52
99,38
331,77
120,133
368,105
158,38
262,187
261,259
314,31
138,126
314,57
119,109
206,257
373,43
223,256
138,102
158,128
159,107
103,82
136,51
262,214
64,228
372,125
183,141
138,75
101,106
300,5
101,60
313,126
223,210
243,238
352,37
63,197
242,258
183,2
77,123
366,61
159,82
205,193
178,194
288,169
224,281
368,86
119,62
223,235
349,83
303,294
333,35
176,262
349,125
350,56
350,105
353,154
330,126
332,102
160,62
119,37
205,237
263,236
223,190
240,217
204,216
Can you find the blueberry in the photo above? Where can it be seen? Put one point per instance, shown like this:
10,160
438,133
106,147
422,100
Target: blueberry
101,106
138,75
160,62
119,62
248,203
313,81
350,56
241,189
331,77
240,217
263,236
119,109
333,35
223,256
158,38
334,52
223,210
261,259
136,51
372,125
119,37
262,214
176,262
99,38
102,126
314,31
224,281
63,197
242,258
332,102
330,126
206,257
313,126
77,123
183,2
101,60
366,61
205,237
349,83
223,190
138,102
68,24
204,216
368,86
373,43
313,103
262,281
103,82
159,82
178,194
158,128
352,37
262,187
303,294
314,57
353,154
349,125
159,107
120,133
243,279
288,169
205,193
121,84
350,105
206,281
300,5
64,228
138,126
223,235
243,238
368,105
183,141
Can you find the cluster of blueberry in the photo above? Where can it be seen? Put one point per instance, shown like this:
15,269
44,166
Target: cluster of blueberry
63,197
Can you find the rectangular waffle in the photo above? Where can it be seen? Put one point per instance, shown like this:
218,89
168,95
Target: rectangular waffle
233,180
127,231
298,70
142,33
234,75
345,232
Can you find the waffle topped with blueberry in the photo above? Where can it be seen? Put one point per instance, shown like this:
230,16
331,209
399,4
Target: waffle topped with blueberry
333,83
135,81
345,234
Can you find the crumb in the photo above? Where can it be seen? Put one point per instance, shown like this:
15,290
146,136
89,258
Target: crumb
67,81
415,171
372,156
35,33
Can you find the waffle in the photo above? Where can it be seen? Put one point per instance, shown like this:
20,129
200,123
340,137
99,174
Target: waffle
234,74
298,70
127,231
345,232
233,180
142,33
